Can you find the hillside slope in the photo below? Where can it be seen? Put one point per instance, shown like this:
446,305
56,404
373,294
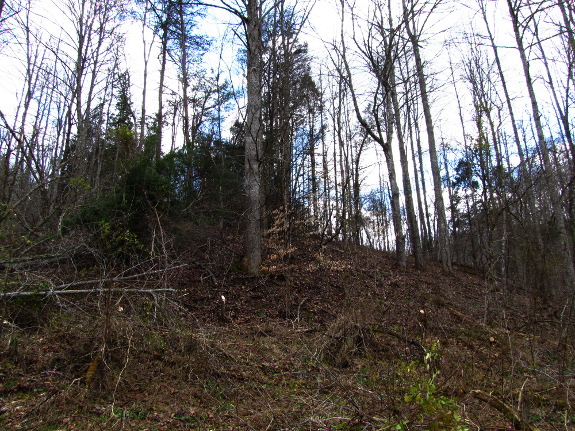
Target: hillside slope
331,337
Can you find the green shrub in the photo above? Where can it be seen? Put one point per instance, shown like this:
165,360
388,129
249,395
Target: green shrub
118,222
429,409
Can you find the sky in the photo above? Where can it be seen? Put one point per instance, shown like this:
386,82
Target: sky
324,26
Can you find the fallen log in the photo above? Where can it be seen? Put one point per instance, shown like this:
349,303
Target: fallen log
507,411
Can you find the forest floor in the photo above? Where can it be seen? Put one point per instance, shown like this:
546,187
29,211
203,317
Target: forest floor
326,338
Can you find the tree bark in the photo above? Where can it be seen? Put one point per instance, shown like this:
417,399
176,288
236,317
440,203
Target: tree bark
253,232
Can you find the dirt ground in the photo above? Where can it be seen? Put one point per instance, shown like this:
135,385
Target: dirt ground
326,338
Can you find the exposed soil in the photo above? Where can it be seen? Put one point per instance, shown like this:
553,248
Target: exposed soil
326,338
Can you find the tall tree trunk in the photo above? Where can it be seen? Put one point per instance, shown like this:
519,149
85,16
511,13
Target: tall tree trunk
147,51
337,200
429,244
442,231
313,169
425,234
327,219
395,201
343,172
407,191
163,60
450,195
253,138
185,76
285,138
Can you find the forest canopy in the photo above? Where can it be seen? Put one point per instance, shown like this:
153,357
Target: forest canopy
435,129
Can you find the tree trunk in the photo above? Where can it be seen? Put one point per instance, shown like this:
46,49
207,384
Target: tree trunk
568,275
163,60
407,191
313,173
382,107
145,83
429,243
395,202
442,231
185,78
424,237
253,232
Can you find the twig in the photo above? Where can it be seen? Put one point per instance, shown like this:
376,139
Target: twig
121,372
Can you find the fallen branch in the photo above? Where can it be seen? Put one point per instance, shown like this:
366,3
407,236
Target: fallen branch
25,262
471,320
400,337
78,291
503,408
64,287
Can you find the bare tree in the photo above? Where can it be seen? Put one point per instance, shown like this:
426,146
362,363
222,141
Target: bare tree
407,190
146,56
164,11
253,234
523,165
381,127
414,37
251,14
565,252
381,49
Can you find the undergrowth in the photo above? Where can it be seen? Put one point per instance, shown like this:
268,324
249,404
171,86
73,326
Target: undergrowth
429,409
322,344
